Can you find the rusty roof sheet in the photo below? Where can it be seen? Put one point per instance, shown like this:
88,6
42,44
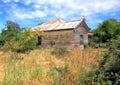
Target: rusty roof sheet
57,24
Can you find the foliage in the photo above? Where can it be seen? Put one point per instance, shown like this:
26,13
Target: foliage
101,45
107,30
108,71
13,39
14,74
52,42
96,45
1,41
63,72
109,68
18,74
11,30
40,67
114,56
19,41
59,50
16,40
26,41
12,26
86,45
8,35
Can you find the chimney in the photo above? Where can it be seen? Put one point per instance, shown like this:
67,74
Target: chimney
83,19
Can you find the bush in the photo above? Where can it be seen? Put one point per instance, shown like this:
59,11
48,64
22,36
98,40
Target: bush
86,45
17,73
62,71
26,46
103,45
1,41
108,71
96,45
26,42
59,51
20,41
14,74
52,42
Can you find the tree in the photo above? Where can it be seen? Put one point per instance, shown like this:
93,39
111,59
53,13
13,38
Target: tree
26,41
107,30
12,30
19,41
109,67
108,70
114,55
12,25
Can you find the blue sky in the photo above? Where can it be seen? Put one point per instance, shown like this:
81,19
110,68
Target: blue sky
28,13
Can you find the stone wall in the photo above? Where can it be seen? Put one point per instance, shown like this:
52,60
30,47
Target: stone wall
64,38
77,33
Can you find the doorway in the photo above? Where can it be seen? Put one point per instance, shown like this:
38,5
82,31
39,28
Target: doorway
81,39
39,40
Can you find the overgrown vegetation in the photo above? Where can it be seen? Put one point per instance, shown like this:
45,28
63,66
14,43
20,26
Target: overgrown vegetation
106,31
16,40
59,51
50,67
41,67
108,70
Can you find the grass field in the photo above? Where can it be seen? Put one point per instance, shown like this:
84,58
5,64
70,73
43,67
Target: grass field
42,67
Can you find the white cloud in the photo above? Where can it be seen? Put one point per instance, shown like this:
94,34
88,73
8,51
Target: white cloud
16,0
37,6
23,14
65,9
6,1
0,12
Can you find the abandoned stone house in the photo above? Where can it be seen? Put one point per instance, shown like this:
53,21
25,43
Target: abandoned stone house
62,33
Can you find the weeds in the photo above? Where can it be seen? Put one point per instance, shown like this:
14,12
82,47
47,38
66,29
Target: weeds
59,51
40,67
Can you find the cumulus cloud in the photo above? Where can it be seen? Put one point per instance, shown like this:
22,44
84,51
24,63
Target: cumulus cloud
6,1
65,9
22,15
0,12
16,0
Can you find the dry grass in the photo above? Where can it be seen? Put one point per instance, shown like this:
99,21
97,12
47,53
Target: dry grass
78,62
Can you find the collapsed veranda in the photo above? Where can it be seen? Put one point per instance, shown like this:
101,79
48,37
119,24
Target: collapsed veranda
66,34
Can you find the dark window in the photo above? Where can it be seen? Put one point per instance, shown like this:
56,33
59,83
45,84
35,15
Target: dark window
81,39
39,40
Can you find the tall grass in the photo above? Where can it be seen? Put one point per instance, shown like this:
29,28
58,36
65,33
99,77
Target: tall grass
42,67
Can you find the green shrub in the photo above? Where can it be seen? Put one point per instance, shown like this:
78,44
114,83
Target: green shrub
96,45
108,70
62,74
14,74
103,45
59,50
35,72
52,42
63,70
1,41
86,45
20,41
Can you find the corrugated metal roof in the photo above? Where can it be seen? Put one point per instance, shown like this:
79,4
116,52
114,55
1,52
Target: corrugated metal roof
57,24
